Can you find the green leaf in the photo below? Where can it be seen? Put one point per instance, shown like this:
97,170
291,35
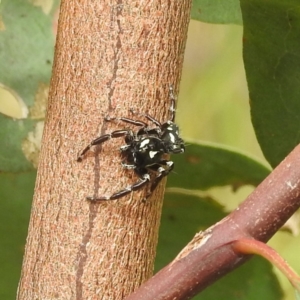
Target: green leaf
182,217
217,11
26,47
271,56
254,280
207,165
26,52
16,192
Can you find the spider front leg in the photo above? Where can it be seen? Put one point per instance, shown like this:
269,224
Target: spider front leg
144,126
162,172
104,138
154,121
127,120
145,178
146,130
173,101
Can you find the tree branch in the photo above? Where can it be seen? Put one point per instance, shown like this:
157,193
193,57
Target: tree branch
110,56
210,254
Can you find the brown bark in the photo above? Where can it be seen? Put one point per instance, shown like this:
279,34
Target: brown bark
110,56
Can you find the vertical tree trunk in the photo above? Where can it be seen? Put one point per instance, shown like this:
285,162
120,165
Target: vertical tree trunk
110,56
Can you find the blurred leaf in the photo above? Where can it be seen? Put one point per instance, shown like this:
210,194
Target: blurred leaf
217,11
26,47
16,192
271,56
253,280
182,217
26,51
206,165
12,133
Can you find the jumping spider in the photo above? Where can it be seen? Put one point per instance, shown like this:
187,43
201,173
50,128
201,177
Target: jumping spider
144,150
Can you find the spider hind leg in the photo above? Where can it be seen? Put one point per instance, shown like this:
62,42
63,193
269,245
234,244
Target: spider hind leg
145,178
102,139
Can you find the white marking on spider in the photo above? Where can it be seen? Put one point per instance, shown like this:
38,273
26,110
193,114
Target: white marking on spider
152,153
146,176
161,170
170,163
172,137
144,143
127,166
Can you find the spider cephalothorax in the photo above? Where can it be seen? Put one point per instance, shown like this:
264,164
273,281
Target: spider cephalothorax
144,150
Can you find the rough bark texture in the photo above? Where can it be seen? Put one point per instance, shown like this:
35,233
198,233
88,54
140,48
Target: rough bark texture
110,56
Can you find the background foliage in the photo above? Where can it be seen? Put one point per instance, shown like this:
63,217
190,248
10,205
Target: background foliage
210,179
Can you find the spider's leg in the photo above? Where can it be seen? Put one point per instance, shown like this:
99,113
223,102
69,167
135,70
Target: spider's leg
144,126
162,172
156,122
171,109
102,139
127,120
173,100
145,178
128,166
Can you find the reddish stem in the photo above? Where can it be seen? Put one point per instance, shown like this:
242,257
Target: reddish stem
250,246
